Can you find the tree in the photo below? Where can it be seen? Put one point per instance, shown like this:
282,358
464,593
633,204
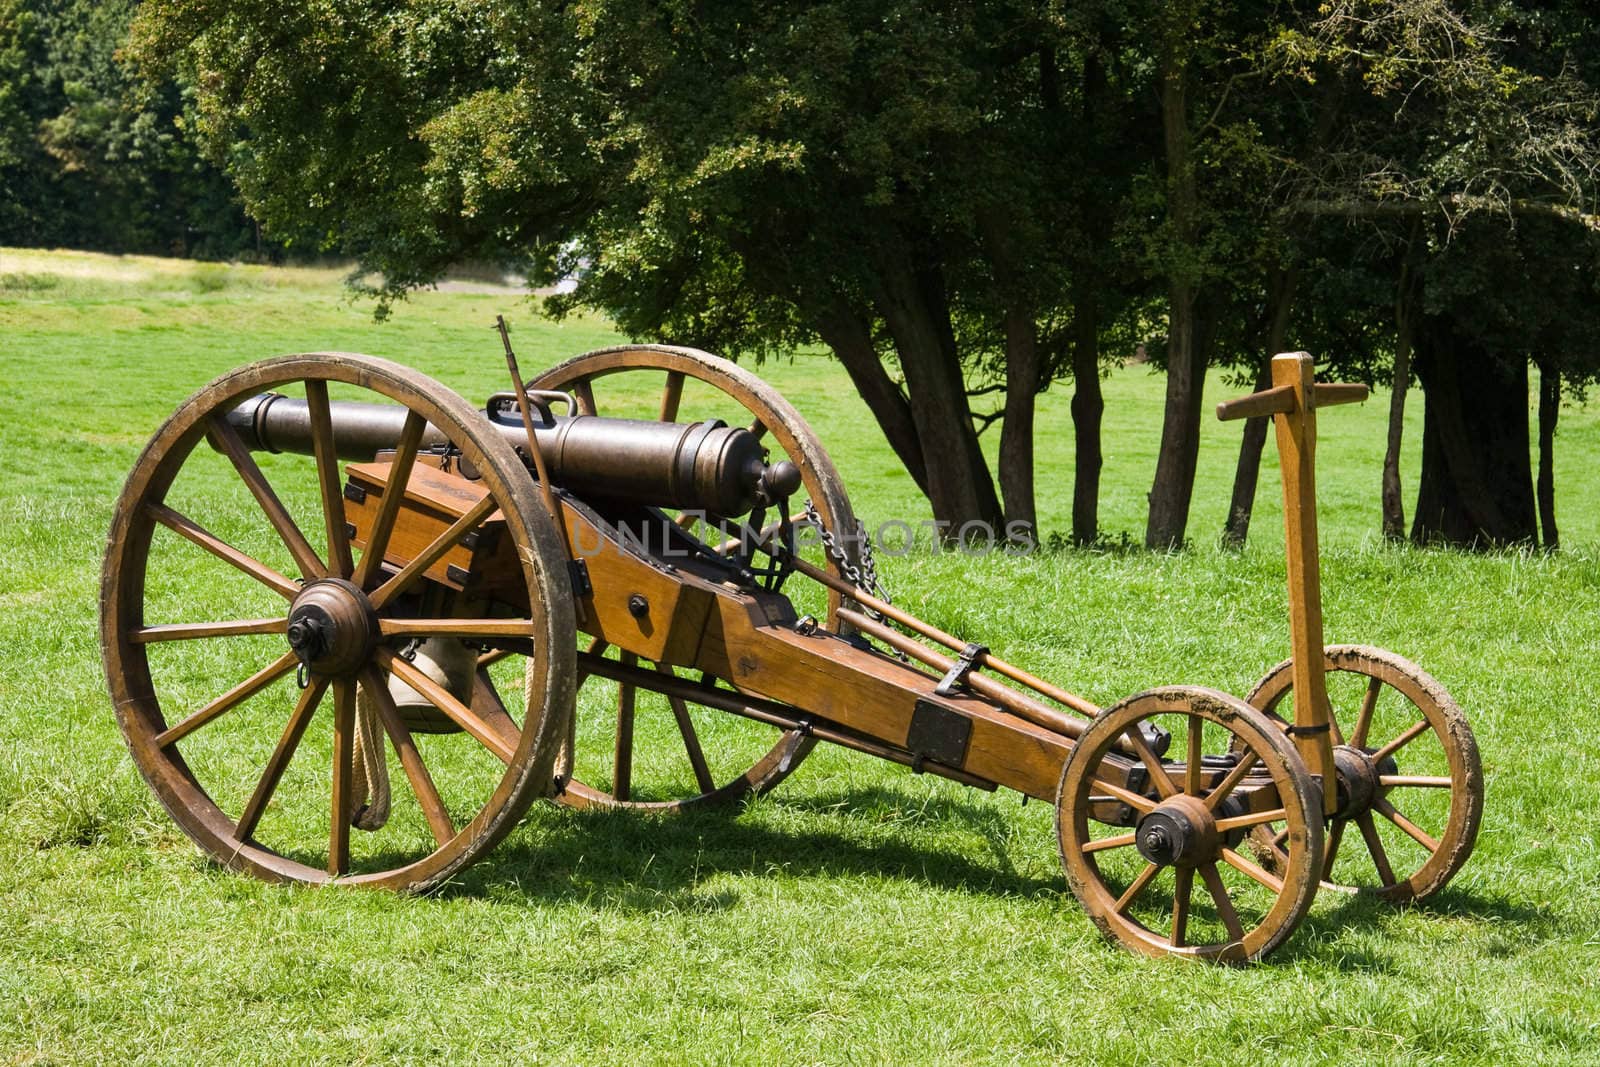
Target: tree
90,157
883,176
1475,123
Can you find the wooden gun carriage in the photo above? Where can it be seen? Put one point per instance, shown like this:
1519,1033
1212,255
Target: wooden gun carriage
517,601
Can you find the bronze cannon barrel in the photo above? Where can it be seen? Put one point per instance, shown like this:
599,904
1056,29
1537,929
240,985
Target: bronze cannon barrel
704,466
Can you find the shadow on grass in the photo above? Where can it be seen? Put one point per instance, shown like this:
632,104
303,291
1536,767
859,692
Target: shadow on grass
643,863
650,862
1524,928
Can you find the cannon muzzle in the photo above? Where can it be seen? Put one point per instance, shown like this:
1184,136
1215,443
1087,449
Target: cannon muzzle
706,466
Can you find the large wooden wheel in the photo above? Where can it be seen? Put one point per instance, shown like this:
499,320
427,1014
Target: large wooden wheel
1233,770
1410,781
209,578
636,748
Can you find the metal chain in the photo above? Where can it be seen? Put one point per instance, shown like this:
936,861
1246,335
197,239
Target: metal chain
864,577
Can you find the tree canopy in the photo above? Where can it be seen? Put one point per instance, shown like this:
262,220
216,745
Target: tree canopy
93,157
965,203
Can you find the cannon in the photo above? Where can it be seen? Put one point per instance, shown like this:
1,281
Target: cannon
611,608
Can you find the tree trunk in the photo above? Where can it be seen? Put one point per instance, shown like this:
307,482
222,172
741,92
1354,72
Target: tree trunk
1476,488
1394,509
1088,403
1549,411
1248,472
1171,494
912,302
1016,430
1280,297
1180,424
1087,408
850,338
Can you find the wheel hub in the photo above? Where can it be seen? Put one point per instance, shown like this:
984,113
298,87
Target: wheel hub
332,627
1359,787
1180,832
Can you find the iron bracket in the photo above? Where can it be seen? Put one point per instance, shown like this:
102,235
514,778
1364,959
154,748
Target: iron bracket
957,674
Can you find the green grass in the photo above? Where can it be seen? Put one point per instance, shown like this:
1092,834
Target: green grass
859,913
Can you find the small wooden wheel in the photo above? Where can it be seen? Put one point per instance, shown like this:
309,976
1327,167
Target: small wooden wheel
638,749
1409,775
246,773
1135,832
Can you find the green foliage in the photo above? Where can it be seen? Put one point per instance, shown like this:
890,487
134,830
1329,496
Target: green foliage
92,157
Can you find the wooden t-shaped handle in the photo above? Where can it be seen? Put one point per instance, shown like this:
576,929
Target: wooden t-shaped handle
1281,400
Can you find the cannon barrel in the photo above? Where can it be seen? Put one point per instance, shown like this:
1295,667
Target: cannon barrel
705,466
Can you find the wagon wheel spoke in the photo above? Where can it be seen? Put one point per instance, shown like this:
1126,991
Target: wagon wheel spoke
566,753
1152,763
1412,830
495,740
455,627
229,700
1119,841
1331,849
1245,866
1246,763
1223,902
691,739
584,391
405,457
671,396
1254,818
1415,781
1369,703
1138,802
1182,891
344,730
196,534
190,631
310,564
339,559
405,747
1194,756
278,762
758,428
1136,887
597,647
1272,851
1401,742
1380,858
487,705
435,551
622,755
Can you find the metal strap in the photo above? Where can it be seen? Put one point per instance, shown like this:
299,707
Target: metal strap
957,674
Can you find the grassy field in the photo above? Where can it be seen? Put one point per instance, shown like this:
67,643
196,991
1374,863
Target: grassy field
857,914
